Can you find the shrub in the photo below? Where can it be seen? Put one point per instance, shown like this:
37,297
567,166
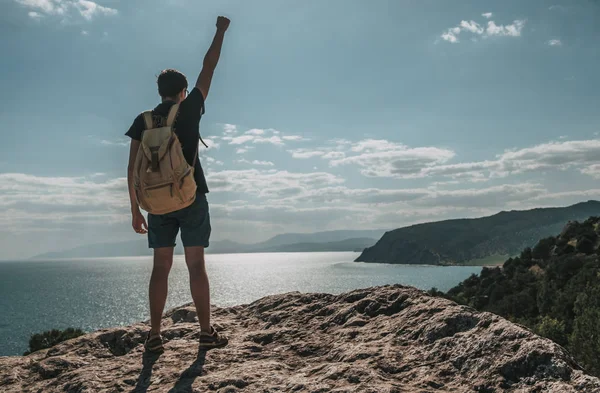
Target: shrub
50,338
585,245
553,329
584,340
543,249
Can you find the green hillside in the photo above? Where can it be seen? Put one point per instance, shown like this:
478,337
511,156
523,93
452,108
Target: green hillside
459,242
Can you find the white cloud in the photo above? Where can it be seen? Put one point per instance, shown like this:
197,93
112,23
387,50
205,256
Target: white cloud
513,30
256,162
487,15
238,140
470,171
492,29
334,155
582,156
242,150
450,37
84,32
275,140
490,197
269,183
117,142
48,213
328,152
553,155
229,129
335,149
307,153
64,199
382,158
255,131
257,135
64,8
70,199
471,26
292,138
292,193
347,196
557,8
89,9
374,145
340,143
340,206
35,15
554,42
50,7
212,160
592,170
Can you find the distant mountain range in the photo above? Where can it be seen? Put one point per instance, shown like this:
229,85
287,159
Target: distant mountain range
344,240
459,242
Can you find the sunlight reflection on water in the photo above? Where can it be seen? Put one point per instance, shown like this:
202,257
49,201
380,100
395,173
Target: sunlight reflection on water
104,292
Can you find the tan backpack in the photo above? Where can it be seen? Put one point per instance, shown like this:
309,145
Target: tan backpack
163,180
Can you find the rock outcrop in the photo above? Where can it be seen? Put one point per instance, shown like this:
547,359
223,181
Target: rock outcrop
389,339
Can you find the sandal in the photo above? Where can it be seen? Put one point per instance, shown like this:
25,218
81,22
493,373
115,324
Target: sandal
154,343
212,339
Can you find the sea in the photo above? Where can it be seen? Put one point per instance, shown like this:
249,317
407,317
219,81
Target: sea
96,293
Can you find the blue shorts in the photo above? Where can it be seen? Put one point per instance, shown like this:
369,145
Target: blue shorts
193,220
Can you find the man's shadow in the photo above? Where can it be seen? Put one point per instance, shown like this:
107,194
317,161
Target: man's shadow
187,378
144,380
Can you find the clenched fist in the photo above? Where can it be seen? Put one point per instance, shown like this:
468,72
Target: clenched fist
222,23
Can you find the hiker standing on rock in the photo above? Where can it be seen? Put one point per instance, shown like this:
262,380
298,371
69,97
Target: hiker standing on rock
165,179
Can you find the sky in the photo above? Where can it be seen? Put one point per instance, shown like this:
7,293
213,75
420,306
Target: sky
322,115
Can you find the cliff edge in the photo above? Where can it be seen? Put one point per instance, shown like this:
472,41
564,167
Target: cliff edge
388,339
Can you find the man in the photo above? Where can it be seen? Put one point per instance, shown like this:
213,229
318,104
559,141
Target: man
194,220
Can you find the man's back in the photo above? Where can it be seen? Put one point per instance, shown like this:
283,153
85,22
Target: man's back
186,127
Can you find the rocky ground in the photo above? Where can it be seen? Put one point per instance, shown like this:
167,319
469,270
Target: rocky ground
388,339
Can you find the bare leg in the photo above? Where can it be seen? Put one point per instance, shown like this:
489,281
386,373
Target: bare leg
194,258
159,283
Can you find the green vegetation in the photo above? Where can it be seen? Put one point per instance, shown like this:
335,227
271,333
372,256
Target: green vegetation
554,289
50,338
459,242
492,260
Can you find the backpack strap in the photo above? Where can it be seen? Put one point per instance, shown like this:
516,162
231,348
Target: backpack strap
205,145
172,115
148,119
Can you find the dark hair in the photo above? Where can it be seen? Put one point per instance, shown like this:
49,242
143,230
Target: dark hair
171,82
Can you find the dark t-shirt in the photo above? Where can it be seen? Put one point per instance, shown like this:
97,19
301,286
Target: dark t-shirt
186,127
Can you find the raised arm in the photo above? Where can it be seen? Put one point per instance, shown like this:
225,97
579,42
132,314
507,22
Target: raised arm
212,57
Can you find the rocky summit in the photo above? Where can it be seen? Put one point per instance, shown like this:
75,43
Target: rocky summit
389,339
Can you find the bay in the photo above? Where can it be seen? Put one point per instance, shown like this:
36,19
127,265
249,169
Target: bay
96,293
